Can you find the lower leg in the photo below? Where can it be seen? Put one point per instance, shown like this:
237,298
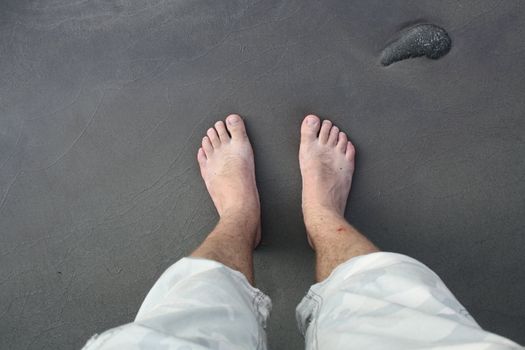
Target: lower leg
327,165
230,245
334,241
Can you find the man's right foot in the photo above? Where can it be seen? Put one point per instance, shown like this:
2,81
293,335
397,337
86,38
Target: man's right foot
326,158
228,169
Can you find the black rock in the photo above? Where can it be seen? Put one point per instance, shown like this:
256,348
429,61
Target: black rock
420,40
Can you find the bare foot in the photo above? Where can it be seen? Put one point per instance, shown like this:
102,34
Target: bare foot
326,158
227,167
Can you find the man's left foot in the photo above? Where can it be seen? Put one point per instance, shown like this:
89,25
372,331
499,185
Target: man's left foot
228,169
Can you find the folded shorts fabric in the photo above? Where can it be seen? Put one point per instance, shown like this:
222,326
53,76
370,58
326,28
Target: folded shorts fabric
388,301
375,301
195,304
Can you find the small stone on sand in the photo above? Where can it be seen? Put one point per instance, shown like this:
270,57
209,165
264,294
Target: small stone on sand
420,40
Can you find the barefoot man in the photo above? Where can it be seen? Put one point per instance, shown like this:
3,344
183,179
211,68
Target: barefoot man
364,298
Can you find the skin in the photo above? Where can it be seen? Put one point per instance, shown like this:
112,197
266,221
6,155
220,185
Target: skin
326,159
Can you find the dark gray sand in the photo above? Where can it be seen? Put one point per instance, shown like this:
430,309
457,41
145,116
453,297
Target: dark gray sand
103,105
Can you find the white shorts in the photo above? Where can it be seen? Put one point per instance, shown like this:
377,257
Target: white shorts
375,301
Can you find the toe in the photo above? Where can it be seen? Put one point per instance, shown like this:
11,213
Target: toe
325,131
333,136
214,138
342,142
201,157
221,130
350,151
206,146
310,128
235,126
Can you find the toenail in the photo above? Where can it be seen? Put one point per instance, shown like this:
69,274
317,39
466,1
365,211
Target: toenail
311,121
233,119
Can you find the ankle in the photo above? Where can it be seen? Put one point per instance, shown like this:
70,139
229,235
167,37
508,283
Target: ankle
317,214
248,216
239,225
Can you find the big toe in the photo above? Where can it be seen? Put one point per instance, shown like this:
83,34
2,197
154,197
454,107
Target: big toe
310,128
236,126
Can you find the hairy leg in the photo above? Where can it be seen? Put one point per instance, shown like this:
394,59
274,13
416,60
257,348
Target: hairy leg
227,167
326,159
